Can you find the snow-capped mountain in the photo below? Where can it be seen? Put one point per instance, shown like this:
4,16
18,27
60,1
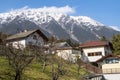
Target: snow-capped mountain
78,28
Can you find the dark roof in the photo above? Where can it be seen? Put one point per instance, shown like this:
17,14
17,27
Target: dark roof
94,44
26,34
104,57
68,48
62,44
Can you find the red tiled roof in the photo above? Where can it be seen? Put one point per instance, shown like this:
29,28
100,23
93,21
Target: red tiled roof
94,44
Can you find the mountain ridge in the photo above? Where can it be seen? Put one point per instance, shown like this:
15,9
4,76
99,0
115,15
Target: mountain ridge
77,28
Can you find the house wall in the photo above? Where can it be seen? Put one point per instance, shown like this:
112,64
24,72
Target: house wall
21,43
111,68
31,41
93,49
68,54
18,43
112,76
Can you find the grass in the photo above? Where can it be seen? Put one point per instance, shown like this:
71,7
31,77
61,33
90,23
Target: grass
34,71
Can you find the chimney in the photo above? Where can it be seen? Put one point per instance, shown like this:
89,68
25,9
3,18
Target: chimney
25,30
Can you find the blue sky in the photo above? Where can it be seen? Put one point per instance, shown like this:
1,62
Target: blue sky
104,11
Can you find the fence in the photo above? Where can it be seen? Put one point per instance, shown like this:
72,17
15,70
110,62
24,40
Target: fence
94,77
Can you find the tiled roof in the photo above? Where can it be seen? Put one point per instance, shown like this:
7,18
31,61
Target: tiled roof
94,44
25,34
104,57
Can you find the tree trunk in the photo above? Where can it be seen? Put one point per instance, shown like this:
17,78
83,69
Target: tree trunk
18,75
78,70
44,65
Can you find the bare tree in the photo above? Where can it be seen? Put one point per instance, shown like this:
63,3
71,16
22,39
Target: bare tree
18,59
41,55
47,54
78,62
59,70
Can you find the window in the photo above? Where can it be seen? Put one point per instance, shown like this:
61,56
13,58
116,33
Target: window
66,45
30,43
116,60
35,37
98,53
95,54
112,60
90,54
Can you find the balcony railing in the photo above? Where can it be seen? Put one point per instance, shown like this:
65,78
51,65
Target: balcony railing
112,70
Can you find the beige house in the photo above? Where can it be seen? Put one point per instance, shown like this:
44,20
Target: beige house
65,51
23,39
93,50
109,64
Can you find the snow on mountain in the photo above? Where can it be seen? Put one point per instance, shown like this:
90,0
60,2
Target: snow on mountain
39,16
61,24
87,20
115,28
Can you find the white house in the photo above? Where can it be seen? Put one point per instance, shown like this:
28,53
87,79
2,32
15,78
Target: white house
22,39
109,64
93,50
65,51
110,67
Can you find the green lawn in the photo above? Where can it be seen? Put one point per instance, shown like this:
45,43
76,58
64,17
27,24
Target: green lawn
34,71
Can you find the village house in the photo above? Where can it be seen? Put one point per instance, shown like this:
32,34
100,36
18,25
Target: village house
67,52
109,64
93,50
23,39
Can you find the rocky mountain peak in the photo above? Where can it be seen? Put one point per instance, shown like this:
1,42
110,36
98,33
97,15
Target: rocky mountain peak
78,28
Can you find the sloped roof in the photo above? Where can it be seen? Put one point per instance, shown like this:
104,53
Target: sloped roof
104,57
94,44
62,44
25,34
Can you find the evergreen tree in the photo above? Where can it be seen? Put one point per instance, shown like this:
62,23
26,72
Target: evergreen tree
103,38
116,44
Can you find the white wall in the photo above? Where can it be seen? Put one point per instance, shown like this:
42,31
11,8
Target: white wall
68,54
25,41
18,43
94,49
111,67
112,76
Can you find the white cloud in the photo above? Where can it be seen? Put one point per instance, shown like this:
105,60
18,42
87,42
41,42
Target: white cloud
65,9
115,28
